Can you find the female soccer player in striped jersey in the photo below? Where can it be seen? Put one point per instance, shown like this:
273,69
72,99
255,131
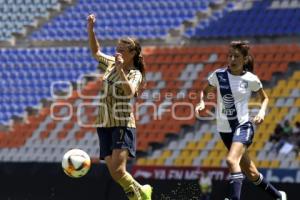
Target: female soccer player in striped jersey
123,76
234,84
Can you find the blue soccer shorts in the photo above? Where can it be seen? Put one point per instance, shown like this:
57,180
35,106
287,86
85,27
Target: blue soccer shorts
244,134
116,138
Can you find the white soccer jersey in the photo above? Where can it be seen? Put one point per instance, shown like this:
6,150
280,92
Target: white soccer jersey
241,88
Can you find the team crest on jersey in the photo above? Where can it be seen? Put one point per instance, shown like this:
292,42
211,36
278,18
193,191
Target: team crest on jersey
244,84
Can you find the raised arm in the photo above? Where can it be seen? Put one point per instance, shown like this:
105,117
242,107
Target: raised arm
93,42
105,61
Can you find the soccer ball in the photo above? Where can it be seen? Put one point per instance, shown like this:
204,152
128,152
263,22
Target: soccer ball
76,163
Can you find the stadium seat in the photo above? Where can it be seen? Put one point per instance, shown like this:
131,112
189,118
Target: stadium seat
231,23
24,14
164,76
150,20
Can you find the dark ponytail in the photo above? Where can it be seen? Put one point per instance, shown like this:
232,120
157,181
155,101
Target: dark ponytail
248,66
244,48
138,59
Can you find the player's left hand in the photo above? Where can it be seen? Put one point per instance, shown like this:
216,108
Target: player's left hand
259,118
119,61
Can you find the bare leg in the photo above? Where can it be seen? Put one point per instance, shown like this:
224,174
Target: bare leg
233,159
116,164
250,170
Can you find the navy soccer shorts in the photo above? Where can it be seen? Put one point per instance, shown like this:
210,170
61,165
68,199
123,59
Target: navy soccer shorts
243,133
116,138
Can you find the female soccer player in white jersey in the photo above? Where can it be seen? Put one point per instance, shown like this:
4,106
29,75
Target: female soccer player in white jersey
234,84
123,76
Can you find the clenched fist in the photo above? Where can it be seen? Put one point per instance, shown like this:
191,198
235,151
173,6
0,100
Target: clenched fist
91,20
119,61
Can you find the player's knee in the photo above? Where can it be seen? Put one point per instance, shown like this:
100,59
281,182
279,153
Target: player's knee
231,162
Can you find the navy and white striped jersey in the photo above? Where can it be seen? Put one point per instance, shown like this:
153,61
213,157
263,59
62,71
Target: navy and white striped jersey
233,94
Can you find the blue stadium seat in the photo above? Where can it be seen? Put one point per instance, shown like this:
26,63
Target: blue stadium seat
260,20
27,75
71,25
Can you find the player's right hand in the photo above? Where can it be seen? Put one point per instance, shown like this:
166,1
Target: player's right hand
200,106
91,20
119,61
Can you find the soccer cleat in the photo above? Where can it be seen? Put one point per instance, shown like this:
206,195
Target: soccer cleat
133,193
146,192
283,195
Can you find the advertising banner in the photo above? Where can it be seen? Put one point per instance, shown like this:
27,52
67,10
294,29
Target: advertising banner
193,173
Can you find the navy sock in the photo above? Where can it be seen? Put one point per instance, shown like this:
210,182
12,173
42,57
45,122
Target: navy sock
235,185
266,186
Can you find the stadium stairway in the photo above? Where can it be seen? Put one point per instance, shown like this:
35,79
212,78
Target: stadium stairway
18,15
